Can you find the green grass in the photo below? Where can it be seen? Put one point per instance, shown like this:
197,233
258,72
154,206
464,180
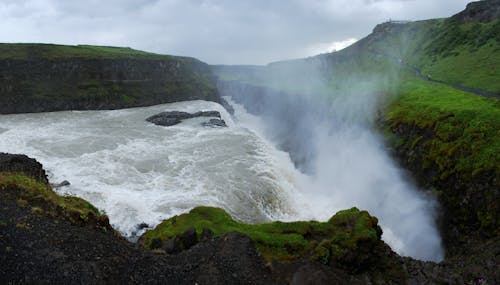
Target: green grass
42,200
51,51
465,54
347,233
458,134
466,126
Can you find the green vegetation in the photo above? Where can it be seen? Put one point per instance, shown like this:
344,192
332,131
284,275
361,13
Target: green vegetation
30,193
342,239
465,54
466,127
458,135
44,77
52,51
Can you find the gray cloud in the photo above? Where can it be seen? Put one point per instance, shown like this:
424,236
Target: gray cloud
215,31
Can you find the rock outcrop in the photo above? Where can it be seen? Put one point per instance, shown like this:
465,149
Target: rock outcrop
40,78
482,11
23,164
41,244
469,204
172,118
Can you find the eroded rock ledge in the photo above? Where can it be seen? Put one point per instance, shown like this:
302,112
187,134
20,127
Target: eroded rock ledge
47,238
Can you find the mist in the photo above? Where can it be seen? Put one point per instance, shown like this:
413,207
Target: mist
325,120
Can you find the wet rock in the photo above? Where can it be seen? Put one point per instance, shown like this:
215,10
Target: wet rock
142,226
62,184
168,118
171,118
23,164
215,123
206,114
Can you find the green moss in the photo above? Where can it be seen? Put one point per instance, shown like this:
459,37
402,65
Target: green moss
52,51
326,242
465,127
42,199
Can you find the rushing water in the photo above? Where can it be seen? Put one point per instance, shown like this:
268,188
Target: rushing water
139,172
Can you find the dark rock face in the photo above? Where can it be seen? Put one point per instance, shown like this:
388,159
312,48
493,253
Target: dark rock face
175,117
38,84
168,118
469,205
62,184
482,11
214,123
36,248
24,164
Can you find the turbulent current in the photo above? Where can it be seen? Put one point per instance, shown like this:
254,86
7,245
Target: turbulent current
138,172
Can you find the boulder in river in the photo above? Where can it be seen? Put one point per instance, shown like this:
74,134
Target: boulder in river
214,123
171,118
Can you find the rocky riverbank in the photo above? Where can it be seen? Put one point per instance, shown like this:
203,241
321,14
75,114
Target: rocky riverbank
46,238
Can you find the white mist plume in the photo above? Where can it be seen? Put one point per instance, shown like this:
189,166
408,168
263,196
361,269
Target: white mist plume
347,164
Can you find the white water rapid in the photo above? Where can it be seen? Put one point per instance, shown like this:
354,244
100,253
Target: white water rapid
139,172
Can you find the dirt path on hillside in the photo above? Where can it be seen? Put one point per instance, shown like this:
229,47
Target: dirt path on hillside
419,74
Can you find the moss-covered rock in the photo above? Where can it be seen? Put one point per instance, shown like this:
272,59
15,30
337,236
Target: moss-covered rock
38,196
450,140
348,239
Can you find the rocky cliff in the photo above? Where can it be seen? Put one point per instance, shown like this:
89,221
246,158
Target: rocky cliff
39,78
52,239
482,11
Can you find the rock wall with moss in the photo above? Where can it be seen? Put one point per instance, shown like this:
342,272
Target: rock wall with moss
39,78
450,141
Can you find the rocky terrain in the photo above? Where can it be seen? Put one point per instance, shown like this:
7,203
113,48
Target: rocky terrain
40,78
44,239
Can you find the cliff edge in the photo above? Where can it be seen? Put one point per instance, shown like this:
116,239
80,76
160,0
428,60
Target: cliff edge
43,77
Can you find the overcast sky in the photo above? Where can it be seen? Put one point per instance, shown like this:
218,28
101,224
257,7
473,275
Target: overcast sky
215,31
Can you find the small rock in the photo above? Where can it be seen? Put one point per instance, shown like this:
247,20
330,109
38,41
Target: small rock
62,184
214,123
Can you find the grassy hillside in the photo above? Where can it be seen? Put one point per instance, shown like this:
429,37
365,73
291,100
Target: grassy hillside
449,139
466,54
51,51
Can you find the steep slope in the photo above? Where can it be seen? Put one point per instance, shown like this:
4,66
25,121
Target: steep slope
41,77
47,239
416,73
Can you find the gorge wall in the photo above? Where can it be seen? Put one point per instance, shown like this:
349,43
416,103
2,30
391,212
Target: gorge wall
35,79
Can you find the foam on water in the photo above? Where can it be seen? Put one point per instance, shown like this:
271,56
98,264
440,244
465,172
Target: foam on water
139,172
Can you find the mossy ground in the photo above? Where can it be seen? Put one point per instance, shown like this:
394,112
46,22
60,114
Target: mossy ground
466,127
30,193
52,51
346,233
456,135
